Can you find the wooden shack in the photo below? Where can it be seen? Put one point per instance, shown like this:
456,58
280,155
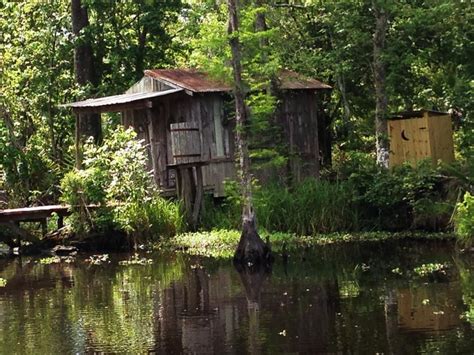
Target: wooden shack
417,135
183,115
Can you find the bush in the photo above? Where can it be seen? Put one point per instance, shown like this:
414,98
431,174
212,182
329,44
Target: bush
368,198
115,178
464,220
402,198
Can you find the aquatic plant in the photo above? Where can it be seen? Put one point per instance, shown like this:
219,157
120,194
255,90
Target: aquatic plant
98,259
349,289
430,269
220,243
50,260
136,260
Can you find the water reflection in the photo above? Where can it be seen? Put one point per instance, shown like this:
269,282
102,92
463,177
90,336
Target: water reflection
329,303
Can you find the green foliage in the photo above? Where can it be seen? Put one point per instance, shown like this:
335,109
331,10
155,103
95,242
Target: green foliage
310,208
360,196
3,282
405,197
260,68
37,75
464,220
115,179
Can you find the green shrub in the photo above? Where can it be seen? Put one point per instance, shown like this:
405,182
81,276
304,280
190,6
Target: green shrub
464,220
115,178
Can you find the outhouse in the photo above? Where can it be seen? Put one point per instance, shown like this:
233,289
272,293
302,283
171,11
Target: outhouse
418,135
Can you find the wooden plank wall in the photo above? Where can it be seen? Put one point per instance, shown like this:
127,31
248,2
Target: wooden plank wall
147,84
298,116
441,138
206,112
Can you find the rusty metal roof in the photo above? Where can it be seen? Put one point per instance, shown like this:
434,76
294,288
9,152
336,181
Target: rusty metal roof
119,99
197,81
290,80
189,79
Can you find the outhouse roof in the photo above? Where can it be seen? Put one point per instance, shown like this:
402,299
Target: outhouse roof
108,103
415,113
198,81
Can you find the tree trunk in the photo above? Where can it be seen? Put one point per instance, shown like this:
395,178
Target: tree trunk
89,124
251,248
381,131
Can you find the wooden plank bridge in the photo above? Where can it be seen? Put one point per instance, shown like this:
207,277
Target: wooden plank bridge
14,216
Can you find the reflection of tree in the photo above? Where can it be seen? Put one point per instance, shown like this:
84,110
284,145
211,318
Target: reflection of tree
391,320
252,278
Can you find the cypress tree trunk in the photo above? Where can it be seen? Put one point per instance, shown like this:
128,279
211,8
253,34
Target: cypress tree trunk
251,248
89,124
381,131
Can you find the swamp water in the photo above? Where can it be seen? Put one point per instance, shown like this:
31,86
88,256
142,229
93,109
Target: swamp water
361,298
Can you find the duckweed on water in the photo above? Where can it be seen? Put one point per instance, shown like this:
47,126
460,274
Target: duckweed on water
221,243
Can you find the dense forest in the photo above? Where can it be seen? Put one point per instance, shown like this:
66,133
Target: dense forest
379,57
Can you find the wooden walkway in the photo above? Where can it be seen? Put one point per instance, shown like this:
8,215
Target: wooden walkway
12,217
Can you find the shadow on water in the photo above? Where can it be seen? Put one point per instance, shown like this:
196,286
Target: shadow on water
358,298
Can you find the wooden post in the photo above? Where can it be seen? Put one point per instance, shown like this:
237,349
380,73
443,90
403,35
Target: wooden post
60,221
78,141
198,198
44,227
153,143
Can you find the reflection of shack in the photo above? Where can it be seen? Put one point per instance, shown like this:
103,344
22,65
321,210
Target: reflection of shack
197,320
429,308
418,135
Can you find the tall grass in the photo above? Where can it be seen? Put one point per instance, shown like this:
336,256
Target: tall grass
311,207
165,218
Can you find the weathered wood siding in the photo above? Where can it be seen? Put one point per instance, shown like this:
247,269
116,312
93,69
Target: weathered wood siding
298,117
206,111
147,84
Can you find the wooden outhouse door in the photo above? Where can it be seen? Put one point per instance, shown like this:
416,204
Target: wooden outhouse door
409,140
419,137
185,143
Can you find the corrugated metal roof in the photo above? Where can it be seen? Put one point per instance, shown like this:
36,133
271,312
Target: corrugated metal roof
197,81
119,99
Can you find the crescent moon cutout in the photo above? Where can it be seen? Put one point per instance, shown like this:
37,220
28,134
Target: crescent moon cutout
404,136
